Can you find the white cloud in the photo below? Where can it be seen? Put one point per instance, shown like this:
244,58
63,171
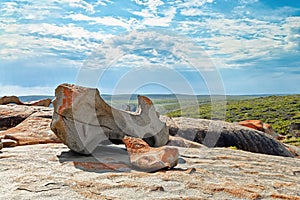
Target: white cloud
107,21
161,21
230,40
7,90
192,12
151,4
79,4
20,40
150,49
193,3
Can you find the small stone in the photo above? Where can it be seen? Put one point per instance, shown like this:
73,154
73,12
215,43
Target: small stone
147,158
9,143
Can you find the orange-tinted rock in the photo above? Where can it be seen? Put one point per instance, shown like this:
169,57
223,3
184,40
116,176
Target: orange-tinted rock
82,120
42,102
259,125
12,115
254,124
10,99
34,130
13,99
99,166
147,158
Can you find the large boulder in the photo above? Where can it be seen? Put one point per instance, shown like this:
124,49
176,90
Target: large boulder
82,120
222,134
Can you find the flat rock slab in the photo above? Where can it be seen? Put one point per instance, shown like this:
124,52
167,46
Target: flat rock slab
35,129
12,115
52,171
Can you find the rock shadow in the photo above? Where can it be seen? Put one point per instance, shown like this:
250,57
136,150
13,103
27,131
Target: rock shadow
110,158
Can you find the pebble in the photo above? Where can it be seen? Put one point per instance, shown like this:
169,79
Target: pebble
8,143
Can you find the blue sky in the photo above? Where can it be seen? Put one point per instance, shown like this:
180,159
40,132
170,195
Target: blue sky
199,47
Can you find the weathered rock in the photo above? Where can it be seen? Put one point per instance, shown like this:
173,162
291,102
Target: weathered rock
260,126
9,143
10,99
295,150
13,99
255,124
222,134
42,102
270,131
144,157
35,129
181,142
48,171
12,115
82,120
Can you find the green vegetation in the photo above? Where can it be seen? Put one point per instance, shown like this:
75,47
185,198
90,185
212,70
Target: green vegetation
278,111
293,141
232,147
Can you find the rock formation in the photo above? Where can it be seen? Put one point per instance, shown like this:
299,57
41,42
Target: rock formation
254,124
31,124
145,158
82,120
42,102
10,99
222,134
12,115
15,100
260,126
52,171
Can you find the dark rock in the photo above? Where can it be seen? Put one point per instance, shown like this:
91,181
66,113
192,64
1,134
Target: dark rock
222,134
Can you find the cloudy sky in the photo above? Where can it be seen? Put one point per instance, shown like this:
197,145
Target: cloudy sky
192,46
